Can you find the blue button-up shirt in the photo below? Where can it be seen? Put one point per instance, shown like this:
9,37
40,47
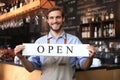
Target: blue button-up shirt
38,61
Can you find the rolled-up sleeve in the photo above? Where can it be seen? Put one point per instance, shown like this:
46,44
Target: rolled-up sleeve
80,61
36,61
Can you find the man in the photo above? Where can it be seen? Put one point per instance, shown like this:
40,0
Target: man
56,68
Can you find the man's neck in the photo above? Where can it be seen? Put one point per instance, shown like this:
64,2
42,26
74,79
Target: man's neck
56,34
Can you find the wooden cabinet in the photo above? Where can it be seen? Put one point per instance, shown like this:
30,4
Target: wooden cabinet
103,35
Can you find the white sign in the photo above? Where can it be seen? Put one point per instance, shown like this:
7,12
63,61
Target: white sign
55,50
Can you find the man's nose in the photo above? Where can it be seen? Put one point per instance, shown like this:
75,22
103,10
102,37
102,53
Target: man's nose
55,20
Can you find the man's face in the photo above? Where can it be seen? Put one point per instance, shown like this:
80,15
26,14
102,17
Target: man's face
55,20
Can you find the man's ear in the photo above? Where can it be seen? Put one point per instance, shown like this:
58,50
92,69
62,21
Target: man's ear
63,19
46,20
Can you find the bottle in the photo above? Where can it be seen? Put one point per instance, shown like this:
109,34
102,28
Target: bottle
95,32
111,14
11,9
27,1
93,18
102,16
106,16
96,44
1,11
96,17
113,30
104,31
99,32
21,3
107,31
16,4
116,59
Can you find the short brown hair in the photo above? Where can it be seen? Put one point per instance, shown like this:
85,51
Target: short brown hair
56,8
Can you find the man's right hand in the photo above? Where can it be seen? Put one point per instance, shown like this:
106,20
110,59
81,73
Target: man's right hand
18,50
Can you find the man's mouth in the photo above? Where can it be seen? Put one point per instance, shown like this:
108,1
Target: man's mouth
55,23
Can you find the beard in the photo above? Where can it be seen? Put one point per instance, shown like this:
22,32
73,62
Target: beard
58,29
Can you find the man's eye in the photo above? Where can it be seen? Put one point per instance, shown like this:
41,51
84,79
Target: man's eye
51,17
58,17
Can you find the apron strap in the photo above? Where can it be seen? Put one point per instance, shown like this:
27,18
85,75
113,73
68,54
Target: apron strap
65,40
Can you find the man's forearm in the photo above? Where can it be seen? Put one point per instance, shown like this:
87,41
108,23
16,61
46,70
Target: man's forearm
87,63
28,65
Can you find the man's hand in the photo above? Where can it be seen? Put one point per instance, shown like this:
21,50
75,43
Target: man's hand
92,51
18,50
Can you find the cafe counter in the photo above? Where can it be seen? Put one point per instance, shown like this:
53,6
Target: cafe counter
16,72
105,72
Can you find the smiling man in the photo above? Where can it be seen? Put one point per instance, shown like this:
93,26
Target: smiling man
56,67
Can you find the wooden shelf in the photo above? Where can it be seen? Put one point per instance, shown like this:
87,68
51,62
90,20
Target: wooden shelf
27,8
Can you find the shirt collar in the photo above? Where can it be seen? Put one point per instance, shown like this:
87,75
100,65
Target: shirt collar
63,35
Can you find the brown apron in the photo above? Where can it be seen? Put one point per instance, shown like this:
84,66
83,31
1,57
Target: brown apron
56,68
